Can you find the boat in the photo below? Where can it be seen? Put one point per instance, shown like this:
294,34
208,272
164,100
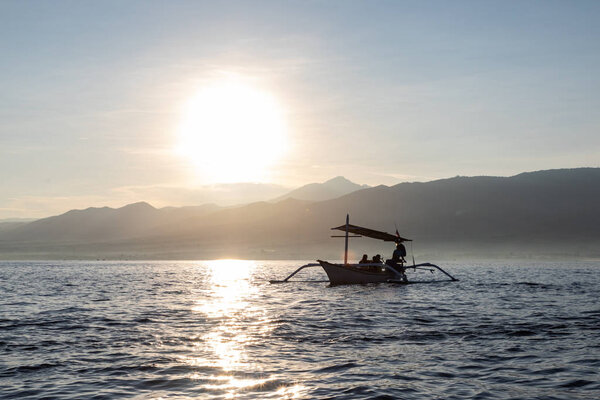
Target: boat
364,273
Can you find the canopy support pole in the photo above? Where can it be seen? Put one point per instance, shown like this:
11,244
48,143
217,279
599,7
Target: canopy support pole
346,247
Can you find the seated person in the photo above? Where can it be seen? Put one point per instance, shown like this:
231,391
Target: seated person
364,259
377,258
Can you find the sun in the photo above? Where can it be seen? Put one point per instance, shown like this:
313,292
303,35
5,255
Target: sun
233,132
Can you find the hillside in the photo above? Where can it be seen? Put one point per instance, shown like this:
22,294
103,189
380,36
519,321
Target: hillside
544,213
102,224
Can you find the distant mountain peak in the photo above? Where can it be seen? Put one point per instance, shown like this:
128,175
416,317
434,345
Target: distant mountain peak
138,205
330,189
338,179
344,184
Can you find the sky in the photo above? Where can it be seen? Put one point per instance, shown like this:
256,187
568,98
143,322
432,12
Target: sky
94,96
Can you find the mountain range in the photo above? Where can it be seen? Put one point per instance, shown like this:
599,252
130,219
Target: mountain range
552,213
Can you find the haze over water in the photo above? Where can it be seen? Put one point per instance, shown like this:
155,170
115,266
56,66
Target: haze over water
218,329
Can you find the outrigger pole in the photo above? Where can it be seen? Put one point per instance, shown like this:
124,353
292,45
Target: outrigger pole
430,265
296,271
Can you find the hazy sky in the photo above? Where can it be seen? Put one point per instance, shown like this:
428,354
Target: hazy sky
92,93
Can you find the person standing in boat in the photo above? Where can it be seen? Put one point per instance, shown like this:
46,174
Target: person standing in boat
399,254
397,261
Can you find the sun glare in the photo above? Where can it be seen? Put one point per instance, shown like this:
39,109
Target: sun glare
233,132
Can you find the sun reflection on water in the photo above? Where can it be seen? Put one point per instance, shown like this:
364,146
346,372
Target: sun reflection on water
228,304
291,392
237,322
230,288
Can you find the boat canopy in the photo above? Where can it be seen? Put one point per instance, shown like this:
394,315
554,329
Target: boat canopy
359,230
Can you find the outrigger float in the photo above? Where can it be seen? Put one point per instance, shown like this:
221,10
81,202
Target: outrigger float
348,274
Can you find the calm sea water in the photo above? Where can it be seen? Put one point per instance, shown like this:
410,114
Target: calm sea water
218,329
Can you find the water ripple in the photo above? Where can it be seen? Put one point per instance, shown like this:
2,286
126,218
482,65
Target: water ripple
214,330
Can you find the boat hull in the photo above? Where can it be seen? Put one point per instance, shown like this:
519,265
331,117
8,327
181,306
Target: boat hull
340,274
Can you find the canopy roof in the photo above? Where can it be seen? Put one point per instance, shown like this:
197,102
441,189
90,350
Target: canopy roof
358,230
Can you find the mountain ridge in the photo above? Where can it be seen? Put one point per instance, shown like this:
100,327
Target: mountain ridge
533,212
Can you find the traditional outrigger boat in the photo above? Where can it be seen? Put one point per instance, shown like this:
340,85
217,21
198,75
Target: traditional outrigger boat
346,274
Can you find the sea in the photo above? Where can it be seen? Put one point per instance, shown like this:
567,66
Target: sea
220,330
